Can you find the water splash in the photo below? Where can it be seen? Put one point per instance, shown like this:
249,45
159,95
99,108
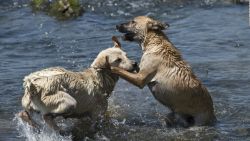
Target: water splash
27,132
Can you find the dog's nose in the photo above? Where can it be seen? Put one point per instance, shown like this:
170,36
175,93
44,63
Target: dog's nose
135,64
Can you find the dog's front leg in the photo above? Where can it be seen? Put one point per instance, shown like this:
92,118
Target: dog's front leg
139,79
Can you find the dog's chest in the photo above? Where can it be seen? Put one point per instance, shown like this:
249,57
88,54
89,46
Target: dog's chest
163,95
162,87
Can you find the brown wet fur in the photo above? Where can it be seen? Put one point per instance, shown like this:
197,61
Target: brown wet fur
169,78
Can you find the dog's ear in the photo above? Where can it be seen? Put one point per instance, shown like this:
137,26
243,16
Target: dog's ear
101,62
117,44
157,25
107,64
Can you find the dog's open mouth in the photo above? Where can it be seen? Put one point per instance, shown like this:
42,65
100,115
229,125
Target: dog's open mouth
128,36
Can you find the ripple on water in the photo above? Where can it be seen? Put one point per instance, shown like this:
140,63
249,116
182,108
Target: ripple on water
213,38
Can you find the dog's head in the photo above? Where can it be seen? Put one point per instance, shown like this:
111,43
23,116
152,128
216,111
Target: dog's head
115,57
136,29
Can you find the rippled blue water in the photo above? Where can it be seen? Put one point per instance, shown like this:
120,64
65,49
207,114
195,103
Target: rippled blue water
214,38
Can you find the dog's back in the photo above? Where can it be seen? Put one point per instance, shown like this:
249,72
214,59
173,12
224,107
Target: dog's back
86,89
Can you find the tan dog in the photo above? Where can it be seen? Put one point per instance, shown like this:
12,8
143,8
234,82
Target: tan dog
167,75
58,92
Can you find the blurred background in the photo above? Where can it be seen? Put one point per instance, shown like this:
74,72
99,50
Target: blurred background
213,36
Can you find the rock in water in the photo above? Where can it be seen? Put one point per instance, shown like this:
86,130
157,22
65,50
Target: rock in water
61,9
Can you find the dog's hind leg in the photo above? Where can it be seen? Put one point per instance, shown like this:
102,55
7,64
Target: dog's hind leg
59,103
25,116
56,105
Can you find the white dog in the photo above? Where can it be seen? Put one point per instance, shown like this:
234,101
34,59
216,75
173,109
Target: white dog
58,92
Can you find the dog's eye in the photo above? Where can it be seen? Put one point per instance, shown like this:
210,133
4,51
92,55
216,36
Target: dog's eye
118,60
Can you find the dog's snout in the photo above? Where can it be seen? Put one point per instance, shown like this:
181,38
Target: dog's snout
121,28
135,66
134,63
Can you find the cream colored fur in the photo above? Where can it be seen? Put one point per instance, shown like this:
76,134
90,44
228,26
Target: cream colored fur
60,92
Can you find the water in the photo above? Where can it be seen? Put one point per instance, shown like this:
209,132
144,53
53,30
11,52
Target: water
213,37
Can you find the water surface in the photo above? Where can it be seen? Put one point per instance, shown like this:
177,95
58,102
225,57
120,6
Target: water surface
213,37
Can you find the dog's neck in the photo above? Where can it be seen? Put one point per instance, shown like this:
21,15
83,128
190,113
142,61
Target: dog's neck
152,37
107,79
103,68
156,42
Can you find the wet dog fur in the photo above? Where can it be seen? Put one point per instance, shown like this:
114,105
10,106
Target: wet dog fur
57,92
168,76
